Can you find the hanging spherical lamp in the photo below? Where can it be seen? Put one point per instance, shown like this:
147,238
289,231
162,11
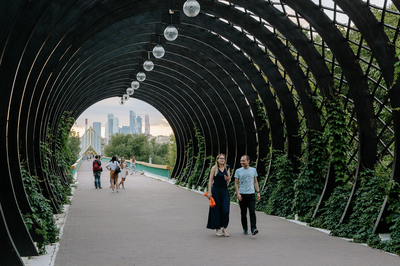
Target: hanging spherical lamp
170,33
191,8
130,91
125,97
121,101
141,76
135,84
158,51
148,65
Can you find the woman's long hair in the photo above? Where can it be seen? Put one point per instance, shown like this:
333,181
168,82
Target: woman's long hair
217,164
114,158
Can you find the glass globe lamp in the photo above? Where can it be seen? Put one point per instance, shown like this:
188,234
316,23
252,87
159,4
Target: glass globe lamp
170,33
125,97
191,8
148,65
135,84
158,51
141,76
121,101
130,91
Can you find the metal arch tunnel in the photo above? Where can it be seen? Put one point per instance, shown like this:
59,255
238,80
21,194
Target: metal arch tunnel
59,56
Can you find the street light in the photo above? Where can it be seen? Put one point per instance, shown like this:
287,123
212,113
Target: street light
191,8
141,76
135,84
170,32
158,51
130,91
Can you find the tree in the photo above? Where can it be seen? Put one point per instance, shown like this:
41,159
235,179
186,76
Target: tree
137,145
73,143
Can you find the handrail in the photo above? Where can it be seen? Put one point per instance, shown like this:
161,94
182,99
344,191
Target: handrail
156,169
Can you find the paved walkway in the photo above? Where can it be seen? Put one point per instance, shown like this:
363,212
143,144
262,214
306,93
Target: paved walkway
156,223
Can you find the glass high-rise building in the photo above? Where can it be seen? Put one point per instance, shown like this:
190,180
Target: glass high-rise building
139,125
126,130
110,121
97,128
116,125
132,121
146,125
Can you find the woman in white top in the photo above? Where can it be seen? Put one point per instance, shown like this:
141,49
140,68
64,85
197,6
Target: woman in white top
112,165
124,172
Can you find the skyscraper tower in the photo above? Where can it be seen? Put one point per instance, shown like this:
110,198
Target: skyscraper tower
97,128
85,124
132,121
146,125
110,121
139,125
116,125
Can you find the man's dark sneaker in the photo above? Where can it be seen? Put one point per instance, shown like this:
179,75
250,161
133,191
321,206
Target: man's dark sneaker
245,232
254,231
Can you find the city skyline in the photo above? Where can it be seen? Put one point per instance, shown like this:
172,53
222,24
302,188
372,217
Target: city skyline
99,111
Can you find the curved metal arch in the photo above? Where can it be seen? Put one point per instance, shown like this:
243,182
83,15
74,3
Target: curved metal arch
275,78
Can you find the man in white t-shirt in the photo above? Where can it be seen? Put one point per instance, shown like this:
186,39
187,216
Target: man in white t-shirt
245,182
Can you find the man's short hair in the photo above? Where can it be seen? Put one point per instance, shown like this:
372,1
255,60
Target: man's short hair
247,157
96,156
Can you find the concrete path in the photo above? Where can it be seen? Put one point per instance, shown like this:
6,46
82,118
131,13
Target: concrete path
156,223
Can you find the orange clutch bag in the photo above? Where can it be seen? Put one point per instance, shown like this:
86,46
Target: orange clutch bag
211,200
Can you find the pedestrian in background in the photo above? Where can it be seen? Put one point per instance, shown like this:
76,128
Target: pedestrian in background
97,169
124,172
218,217
133,164
245,182
112,166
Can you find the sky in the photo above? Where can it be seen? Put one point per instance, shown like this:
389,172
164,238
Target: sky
99,111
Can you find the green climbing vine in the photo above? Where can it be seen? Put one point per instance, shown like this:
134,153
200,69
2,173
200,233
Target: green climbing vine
197,168
64,156
206,179
280,187
185,171
370,196
329,215
262,113
310,182
41,218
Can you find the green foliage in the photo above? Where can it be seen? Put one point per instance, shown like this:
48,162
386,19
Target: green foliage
41,219
170,158
330,214
368,202
206,179
261,112
74,143
280,186
337,132
138,145
393,219
60,190
63,155
186,170
197,168
266,192
310,182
